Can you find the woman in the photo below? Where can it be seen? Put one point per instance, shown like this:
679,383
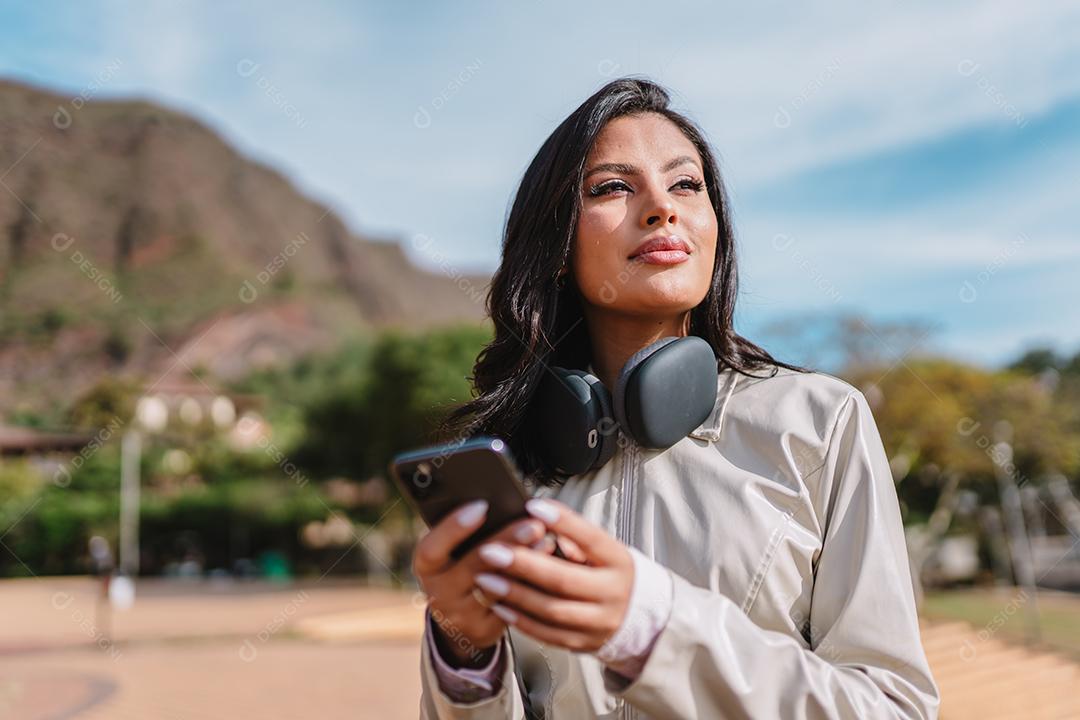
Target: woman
754,568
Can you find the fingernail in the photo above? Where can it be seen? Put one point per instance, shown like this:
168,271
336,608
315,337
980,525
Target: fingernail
525,532
505,613
540,508
493,584
497,555
472,512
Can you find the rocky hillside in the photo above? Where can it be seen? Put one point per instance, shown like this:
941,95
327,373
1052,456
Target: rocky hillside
131,234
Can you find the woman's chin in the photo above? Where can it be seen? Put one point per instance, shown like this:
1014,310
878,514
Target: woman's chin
652,300
674,290
669,290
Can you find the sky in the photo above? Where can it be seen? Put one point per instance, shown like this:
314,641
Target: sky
901,160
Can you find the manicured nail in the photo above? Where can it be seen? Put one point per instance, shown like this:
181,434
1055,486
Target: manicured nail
493,584
471,513
540,508
525,532
497,555
505,613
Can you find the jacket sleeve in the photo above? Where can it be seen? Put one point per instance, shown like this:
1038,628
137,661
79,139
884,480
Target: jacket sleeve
464,683
865,658
436,704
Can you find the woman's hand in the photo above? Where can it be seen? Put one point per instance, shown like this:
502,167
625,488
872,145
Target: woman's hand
449,584
572,605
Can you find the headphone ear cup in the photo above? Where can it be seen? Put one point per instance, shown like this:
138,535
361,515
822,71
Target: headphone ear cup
607,427
624,410
571,409
671,392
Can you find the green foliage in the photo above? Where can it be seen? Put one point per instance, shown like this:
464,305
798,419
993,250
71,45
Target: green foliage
346,413
410,382
27,417
938,416
219,521
47,525
1036,360
223,522
19,483
1040,359
110,401
48,323
311,377
117,345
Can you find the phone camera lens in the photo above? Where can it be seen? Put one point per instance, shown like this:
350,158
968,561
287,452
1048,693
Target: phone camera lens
421,478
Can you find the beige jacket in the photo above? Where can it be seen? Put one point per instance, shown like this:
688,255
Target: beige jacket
778,521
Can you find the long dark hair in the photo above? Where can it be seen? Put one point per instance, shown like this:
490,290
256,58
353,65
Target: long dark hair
537,321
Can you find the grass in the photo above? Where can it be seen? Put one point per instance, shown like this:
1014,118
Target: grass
1005,612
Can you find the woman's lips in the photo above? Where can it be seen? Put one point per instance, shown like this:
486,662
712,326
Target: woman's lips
663,257
662,250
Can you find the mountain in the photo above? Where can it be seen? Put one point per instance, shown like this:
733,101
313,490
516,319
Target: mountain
134,239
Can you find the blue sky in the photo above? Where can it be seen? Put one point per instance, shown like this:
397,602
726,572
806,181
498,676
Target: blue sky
898,159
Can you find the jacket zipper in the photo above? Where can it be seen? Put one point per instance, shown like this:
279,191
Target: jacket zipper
622,527
627,491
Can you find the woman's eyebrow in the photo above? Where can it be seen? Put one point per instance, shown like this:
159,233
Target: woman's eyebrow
627,169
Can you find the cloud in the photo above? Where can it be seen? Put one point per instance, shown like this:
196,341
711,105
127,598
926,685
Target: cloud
857,81
794,97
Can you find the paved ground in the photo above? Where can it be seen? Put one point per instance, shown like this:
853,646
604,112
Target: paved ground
341,650
207,652
984,678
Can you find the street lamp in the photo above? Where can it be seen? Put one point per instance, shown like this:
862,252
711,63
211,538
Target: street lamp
151,415
1013,514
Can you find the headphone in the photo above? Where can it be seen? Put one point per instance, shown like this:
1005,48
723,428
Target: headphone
665,390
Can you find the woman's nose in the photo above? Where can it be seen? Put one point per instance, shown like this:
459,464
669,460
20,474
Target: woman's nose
658,209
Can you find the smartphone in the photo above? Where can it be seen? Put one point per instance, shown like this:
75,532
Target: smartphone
439,479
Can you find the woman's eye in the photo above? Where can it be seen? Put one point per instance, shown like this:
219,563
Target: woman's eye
607,188
612,186
690,184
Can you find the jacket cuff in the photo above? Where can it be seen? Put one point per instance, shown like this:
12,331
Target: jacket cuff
436,703
669,649
464,684
626,651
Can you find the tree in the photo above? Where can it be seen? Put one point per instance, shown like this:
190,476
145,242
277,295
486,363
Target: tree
1036,360
410,382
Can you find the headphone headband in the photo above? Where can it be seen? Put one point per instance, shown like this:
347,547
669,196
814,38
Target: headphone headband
664,390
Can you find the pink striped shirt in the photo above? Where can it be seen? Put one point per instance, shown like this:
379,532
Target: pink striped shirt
624,653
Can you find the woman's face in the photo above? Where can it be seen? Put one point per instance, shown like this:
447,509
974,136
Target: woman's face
644,182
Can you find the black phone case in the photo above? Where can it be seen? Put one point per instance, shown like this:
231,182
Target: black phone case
439,479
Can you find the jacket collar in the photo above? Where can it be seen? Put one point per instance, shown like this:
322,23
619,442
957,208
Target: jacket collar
710,428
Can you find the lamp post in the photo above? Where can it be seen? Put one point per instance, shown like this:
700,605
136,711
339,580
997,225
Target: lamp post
151,415
1013,515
